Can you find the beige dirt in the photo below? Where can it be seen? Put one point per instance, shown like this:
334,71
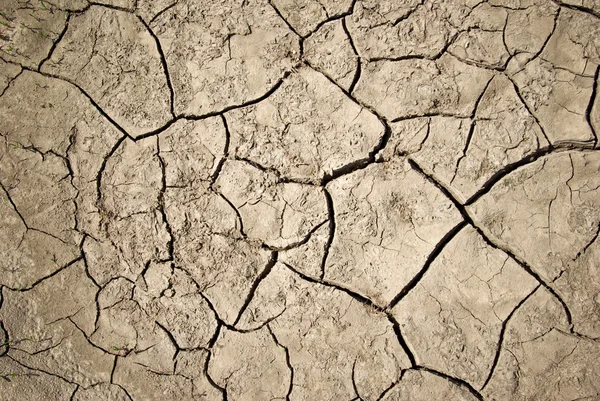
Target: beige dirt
300,200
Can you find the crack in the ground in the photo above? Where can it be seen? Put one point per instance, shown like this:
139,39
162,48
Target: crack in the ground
331,214
471,129
222,390
591,104
489,242
161,203
358,70
56,42
263,275
527,160
439,247
578,8
453,380
501,337
163,62
287,361
354,166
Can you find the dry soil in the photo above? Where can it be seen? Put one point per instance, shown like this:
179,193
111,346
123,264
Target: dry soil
324,200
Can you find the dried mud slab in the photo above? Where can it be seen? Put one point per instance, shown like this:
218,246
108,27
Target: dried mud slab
56,341
37,206
425,386
222,54
49,167
149,10
192,151
210,243
277,214
163,307
529,25
558,86
183,379
8,72
250,366
28,31
465,153
128,5
132,230
588,5
331,348
306,130
538,349
299,200
330,51
546,214
467,293
388,219
387,29
120,68
100,391
307,258
20,382
417,87
305,16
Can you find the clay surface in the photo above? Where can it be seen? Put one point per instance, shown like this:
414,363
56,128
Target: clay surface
297,200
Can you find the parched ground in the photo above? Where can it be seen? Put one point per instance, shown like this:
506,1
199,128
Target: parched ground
299,200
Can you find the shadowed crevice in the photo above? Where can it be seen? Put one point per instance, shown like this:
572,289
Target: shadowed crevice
453,380
163,62
332,227
256,283
56,42
590,107
446,239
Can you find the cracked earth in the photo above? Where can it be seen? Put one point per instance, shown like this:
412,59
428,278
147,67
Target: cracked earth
299,200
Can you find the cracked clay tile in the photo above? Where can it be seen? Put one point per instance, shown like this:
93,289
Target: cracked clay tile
120,69
221,54
306,130
388,220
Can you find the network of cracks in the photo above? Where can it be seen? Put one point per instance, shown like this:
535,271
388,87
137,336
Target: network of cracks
299,200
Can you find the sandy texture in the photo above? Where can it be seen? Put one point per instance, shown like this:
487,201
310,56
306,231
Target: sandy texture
297,200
